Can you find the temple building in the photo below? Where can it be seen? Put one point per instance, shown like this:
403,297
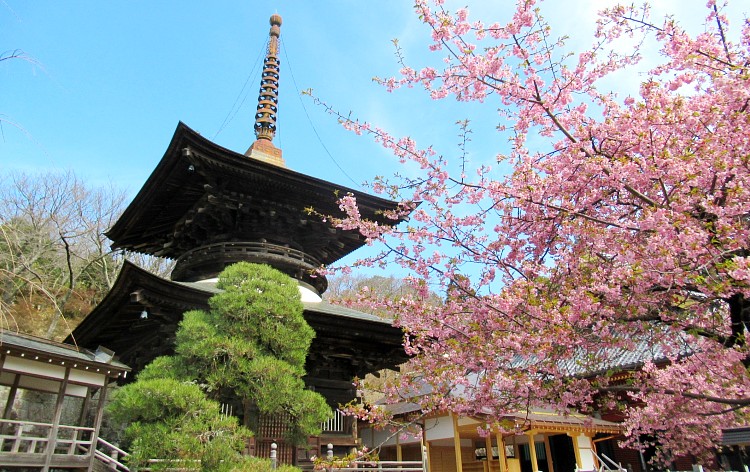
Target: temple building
543,441
207,207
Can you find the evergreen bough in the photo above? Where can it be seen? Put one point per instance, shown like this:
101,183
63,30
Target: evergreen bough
249,348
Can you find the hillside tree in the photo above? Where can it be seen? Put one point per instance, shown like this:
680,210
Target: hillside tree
55,262
356,290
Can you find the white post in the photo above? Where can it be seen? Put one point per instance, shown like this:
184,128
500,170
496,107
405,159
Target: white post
329,453
273,455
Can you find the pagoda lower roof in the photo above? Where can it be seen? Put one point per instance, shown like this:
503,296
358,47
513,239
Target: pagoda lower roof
201,193
139,317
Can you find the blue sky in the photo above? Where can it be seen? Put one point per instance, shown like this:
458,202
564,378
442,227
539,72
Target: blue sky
110,80
113,78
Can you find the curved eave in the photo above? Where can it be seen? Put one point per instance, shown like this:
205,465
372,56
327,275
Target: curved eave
377,333
172,189
118,308
116,321
546,421
122,231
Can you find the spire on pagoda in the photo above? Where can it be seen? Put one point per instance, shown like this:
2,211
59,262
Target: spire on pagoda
268,100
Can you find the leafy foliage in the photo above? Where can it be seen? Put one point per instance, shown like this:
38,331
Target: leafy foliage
255,464
262,304
175,422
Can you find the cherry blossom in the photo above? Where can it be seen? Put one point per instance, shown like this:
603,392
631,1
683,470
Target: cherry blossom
621,241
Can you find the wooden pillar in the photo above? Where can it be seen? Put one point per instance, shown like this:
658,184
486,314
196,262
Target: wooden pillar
97,423
577,451
399,455
532,452
488,447
82,416
52,437
593,449
501,453
85,407
11,397
548,450
457,444
426,451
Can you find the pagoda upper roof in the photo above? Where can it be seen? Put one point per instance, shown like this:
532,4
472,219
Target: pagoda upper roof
201,193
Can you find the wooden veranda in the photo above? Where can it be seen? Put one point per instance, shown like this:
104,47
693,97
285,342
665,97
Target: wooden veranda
53,396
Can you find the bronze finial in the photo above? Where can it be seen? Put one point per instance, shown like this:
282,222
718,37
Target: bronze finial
265,115
268,101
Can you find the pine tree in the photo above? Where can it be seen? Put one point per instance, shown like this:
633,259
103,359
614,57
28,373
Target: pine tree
248,349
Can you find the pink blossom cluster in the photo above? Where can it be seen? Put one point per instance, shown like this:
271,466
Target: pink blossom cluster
628,226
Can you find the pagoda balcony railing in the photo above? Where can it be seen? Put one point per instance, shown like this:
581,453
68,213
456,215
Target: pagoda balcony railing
207,261
237,249
338,424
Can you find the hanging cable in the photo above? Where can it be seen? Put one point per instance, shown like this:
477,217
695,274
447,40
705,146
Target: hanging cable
235,107
299,96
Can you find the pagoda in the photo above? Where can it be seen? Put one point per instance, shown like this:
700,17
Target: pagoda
207,207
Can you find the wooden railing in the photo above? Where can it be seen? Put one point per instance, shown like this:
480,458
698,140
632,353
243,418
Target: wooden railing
376,465
29,437
235,251
608,465
382,466
32,438
110,455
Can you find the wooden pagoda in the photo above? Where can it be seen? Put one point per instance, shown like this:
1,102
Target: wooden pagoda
207,207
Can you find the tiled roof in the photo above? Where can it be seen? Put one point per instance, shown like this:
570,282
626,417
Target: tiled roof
736,436
337,310
34,344
319,307
619,359
550,417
